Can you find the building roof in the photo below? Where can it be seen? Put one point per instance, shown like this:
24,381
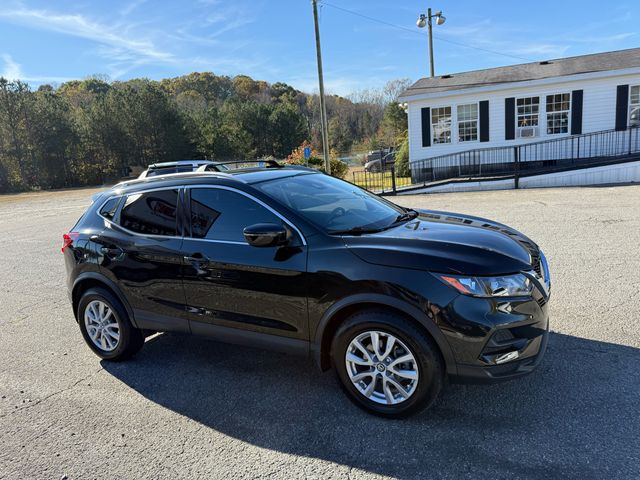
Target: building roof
597,62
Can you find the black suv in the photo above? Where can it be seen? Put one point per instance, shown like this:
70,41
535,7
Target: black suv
396,300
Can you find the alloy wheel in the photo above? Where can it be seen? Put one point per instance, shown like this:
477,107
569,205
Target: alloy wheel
382,367
102,326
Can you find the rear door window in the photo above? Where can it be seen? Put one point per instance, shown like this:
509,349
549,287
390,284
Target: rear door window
151,213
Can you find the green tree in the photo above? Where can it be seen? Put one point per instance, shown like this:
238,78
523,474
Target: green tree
287,128
15,126
394,122
93,130
51,138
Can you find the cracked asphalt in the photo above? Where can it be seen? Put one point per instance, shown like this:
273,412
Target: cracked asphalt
193,408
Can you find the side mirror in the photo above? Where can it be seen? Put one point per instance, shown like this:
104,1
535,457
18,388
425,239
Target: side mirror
266,235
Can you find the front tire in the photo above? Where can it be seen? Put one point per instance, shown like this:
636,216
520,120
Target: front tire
105,326
386,364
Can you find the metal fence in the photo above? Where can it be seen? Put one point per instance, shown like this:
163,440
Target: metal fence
386,181
546,156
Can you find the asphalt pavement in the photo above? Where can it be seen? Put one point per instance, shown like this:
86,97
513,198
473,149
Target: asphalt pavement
194,408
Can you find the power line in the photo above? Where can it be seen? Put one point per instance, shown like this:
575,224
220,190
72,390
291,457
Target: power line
382,22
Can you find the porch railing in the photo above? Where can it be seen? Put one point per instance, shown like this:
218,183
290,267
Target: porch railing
575,151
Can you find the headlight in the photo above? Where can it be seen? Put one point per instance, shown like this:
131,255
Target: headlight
506,286
546,274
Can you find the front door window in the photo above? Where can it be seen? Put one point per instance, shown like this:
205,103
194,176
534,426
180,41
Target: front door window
222,215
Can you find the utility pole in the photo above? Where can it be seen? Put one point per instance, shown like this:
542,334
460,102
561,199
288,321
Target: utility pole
323,107
425,21
431,71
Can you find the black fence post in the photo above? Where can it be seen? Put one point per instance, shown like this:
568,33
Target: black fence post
516,159
393,179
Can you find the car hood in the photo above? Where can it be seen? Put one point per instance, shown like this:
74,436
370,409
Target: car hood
448,243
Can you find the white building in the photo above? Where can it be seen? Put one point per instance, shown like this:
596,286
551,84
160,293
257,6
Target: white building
510,106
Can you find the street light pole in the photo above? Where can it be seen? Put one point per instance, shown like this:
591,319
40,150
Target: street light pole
426,21
323,107
431,68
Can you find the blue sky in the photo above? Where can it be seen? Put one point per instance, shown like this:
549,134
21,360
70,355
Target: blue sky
53,41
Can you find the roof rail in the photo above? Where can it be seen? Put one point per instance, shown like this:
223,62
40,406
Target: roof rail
267,164
175,174
177,163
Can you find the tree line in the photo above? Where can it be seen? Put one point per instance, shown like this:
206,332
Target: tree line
87,132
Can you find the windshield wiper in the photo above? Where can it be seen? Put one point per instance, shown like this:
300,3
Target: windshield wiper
355,231
409,214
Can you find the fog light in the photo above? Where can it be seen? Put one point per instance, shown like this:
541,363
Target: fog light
506,357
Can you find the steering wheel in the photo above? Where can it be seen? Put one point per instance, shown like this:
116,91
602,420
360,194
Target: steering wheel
337,212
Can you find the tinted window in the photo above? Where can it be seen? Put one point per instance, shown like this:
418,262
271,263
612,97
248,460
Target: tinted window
108,210
332,204
151,213
222,214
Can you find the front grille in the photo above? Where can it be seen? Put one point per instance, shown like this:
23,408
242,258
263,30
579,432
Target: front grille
536,264
502,336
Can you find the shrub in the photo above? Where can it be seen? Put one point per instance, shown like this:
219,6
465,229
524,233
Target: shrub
403,169
297,156
338,168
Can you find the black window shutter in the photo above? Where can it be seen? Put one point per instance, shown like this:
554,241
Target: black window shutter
484,120
576,112
622,105
509,118
426,127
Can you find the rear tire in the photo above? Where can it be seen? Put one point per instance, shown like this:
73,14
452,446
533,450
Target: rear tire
106,327
406,368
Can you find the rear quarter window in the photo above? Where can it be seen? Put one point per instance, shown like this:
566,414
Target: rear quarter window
108,210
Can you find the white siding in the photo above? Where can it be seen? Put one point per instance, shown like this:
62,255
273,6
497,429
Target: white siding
599,109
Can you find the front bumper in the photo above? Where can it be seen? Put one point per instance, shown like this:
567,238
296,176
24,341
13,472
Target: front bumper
505,371
496,339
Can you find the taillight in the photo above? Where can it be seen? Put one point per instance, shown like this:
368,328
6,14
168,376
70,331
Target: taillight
67,240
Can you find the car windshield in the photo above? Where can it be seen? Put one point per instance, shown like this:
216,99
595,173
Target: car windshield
334,205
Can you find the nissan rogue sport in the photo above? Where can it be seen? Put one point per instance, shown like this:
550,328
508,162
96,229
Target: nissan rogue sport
397,301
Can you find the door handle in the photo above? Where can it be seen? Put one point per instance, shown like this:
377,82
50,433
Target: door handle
97,239
196,258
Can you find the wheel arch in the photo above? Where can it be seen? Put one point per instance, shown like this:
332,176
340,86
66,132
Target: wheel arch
339,311
94,279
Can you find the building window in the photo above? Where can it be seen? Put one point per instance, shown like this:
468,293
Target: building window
468,122
441,124
528,109
634,106
558,107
